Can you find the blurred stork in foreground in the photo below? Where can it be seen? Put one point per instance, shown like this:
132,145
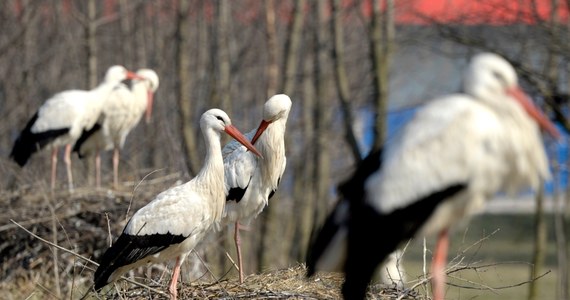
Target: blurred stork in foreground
172,224
62,119
457,152
122,112
251,181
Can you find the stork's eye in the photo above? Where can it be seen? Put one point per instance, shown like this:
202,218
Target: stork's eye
500,78
220,118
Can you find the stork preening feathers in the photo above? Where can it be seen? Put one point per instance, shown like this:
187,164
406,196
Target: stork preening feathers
172,224
457,152
61,120
250,181
122,112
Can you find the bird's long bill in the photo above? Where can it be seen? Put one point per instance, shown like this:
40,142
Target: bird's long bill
132,75
534,112
149,100
236,134
262,126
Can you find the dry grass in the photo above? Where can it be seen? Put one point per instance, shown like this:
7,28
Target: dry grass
290,283
32,269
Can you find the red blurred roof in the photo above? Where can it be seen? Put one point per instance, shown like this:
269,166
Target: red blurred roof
474,12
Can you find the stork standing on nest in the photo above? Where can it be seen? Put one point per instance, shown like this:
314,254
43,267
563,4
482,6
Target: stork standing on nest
172,224
456,153
61,120
124,109
250,181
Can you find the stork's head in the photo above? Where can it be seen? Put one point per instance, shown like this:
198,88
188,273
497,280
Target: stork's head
218,120
150,79
492,79
116,74
276,108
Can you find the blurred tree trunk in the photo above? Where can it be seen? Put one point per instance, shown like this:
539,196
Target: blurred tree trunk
270,222
183,87
223,60
343,86
321,113
291,54
272,50
304,168
540,240
126,33
382,34
91,45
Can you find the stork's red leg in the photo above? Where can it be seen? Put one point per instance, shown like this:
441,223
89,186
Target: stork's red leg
53,167
238,249
116,167
173,282
67,160
98,168
438,265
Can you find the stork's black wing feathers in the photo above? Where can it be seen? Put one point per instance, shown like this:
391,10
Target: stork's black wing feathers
28,142
129,249
272,193
363,256
322,240
85,135
351,190
236,193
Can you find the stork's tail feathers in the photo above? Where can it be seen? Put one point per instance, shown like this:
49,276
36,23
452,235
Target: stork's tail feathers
109,262
29,143
128,249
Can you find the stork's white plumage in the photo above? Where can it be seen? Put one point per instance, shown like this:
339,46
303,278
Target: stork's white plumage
121,113
456,152
172,224
62,118
250,181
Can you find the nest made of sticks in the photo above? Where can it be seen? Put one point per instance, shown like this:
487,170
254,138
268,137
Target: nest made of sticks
288,283
82,222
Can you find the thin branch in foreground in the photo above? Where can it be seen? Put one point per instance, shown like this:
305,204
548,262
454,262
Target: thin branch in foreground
485,287
135,189
86,259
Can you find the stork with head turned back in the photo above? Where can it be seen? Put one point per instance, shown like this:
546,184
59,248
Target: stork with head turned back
121,113
61,120
172,224
456,153
250,181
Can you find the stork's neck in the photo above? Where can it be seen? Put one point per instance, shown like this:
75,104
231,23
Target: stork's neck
140,91
105,87
211,175
271,144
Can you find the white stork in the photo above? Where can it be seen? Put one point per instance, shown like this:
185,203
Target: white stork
251,182
456,152
172,224
121,113
62,119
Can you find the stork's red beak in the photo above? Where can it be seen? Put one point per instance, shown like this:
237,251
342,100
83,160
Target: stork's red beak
533,111
131,75
149,100
262,126
238,136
